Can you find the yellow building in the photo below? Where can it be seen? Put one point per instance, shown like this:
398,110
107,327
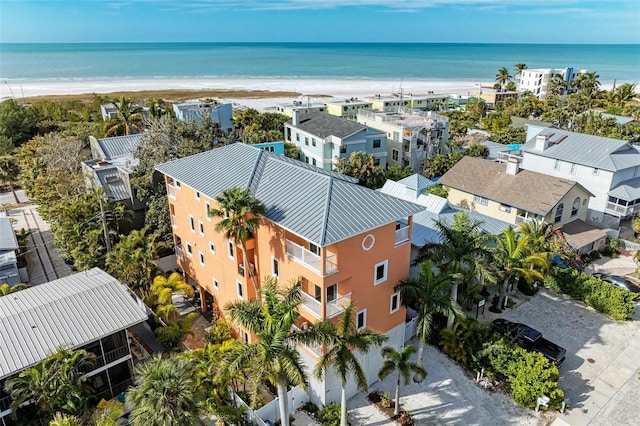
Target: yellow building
347,108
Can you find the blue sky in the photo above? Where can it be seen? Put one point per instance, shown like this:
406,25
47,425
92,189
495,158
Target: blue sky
480,21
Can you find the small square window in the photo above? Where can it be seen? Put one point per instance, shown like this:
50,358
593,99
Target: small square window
207,211
201,258
245,337
201,226
306,141
240,289
189,249
313,161
297,137
275,267
178,185
361,320
596,171
380,272
504,208
216,285
212,247
197,196
231,249
376,162
376,143
192,224
343,149
395,302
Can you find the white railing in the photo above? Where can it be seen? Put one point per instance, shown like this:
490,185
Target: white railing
172,191
402,234
311,260
312,305
621,210
521,219
336,307
504,157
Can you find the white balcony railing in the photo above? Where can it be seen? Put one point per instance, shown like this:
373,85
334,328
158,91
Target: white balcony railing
311,260
336,307
402,234
310,304
619,210
521,219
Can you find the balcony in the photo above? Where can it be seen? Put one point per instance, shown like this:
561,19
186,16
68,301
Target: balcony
337,306
106,359
5,403
333,308
622,211
311,305
311,260
172,191
402,235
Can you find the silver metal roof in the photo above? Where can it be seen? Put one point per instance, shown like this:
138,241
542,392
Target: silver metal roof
68,312
322,207
592,151
8,240
629,190
119,146
431,202
113,184
416,181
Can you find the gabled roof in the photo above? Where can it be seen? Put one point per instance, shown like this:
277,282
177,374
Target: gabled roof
68,312
588,150
119,146
8,240
530,191
323,125
629,190
320,206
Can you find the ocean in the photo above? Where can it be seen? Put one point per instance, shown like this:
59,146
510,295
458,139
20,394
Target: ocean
377,61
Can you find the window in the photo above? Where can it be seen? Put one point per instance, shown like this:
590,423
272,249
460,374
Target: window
201,226
480,200
396,136
240,289
556,165
394,154
275,267
573,169
212,248
361,319
376,162
245,337
201,258
380,272
306,159
504,208
207,211
558,216
376,143
306,141
332,292
298,137
596,171
230,249
395,302
343,149
313,141
576,207
189,249
197,196
215,284
178,185
192,224
314,249
313,161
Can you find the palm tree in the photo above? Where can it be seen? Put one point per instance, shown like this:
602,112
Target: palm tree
519,67
274,356
240,214
513,258
400,362
128,118
157,107
6,289
635,224
107,413
462,247
65,420
429,294
162,291
624,93
538,234
503,76
341,343
587,82
558,85
164,393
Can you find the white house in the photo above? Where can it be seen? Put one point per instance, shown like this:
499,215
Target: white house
537,80
194,111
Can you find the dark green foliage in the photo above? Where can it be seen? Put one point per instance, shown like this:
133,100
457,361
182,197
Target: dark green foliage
252,126
396,173
291,150
329,415
17,122
439,164
509,135
219,332
602,296
477,150
362,167
439,189
464,340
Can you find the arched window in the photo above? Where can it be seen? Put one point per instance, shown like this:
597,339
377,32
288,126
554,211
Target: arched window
576,206
559,210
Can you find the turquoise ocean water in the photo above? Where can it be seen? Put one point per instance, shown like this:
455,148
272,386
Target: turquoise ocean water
376,61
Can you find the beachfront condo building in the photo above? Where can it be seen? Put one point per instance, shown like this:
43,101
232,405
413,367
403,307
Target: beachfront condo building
412,136
430,101
347,108
492,96
323,139
89,310
537,80
344,242
194,111
301,106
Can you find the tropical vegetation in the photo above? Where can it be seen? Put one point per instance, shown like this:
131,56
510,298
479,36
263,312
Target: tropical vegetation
400,363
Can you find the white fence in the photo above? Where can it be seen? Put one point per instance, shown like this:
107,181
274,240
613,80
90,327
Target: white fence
271,412
410,329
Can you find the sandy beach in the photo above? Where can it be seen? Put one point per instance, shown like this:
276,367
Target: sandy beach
315,90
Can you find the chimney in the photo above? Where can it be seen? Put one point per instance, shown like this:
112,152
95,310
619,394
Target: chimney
542,142
296,117
513,166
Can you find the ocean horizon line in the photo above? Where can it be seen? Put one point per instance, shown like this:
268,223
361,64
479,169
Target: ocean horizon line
317,43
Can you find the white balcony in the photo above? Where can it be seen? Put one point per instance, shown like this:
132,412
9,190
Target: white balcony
336,307
311,260
402,235
622,211
311,305
333,308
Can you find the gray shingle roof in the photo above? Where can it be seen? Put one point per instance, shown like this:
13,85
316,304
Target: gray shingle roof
119,146
69,312
323,125
8,240
320,206
592,151
628,190
527,190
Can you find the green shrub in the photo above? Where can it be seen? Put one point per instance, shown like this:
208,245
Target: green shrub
530,376
463,340
310,407
219,332
329,415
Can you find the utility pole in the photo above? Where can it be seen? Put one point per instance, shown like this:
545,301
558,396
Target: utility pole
104,224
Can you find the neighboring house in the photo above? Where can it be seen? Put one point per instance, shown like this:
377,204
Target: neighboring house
608,168
492,96
537,80
412,135
113,162
347,108
512,195
459,102
323,139
194,111
89,310
9,272
424,230
343,241
110,110
275,147
300,106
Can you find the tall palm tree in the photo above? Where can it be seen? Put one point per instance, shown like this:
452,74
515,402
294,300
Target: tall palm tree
162,291
538,234
429,294
128,118
558,85
519,67
587,82
503,76
274,356
462,247
513,258
624,93
164,393
240,214
341,343
6,289
400,362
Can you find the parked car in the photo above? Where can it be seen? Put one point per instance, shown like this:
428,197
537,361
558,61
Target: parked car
617,281
531,339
